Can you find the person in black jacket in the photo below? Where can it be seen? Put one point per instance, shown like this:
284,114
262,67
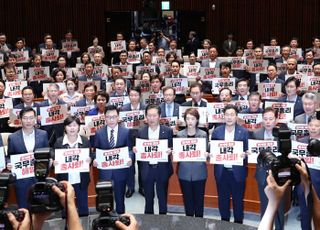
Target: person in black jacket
79,180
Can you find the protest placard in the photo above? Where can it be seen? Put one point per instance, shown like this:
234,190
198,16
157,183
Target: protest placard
22,165
132,119
93,123
71,160
118,46
153,151
256,146
55,114
189,149
226,152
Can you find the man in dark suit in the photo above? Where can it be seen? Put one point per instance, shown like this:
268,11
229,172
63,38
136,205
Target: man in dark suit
254,101
54,131
291,86
73,54
175,73
229,45
27,98
309,104
231,179
110,137
169,108
89,99
285,53
25,140
242,90
146,61
192,44
196,95
155,173
135,104
273,75
265,133
90,76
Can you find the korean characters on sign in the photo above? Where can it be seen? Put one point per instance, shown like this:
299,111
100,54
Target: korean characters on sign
51,115
226,152
189,149
153,151
71,160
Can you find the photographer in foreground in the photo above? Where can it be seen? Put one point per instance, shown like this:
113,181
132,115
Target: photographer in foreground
275,193
66,200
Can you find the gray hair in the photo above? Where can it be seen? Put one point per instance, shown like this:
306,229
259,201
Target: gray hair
310,96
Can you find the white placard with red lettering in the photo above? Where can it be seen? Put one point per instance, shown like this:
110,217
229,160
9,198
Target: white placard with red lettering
144,85
250,120
313,84
169,121
219,83
127,71
158,60
152,98
5,106
70,46
80,70
270,90
21,56
101,71
191,70
2,158
241,104
39,73
226,152
305,69
118,46
256,146
298,131
238,63
179,84
71,160
215,112
165,70
207,73
189,149
300,149
117,158
153,151
296,53
132,119
285,110
55,114
248,54
119,101
202,112
93,123
13,89
50,55
134,57
150,69
271,51
202,54
80,111
258,65
22,165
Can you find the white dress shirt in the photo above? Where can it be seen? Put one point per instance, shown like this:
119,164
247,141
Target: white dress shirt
115,134
153,135
29,140
229,136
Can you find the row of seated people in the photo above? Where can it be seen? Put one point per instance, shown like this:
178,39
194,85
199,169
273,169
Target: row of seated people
168,109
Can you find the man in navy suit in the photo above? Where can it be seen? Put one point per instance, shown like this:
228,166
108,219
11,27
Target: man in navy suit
273,75
231,179
254,101
269,122
90,91
169,108
110,137
155,173
175,73
242,88
291,86
25,140
196,94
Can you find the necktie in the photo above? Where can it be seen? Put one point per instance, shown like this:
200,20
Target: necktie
241,98
169,114
196,104
111,142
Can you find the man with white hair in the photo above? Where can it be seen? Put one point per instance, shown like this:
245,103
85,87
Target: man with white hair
310,104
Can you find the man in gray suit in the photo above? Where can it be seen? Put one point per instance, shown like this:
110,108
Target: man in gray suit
265,133
310,104
213,61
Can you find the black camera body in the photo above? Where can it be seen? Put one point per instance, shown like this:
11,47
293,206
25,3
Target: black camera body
282,167
41,197
5,179
104,205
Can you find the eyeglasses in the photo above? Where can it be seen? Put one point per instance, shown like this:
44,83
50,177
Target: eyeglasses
112,117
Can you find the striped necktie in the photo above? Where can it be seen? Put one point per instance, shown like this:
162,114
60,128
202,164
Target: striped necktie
111,142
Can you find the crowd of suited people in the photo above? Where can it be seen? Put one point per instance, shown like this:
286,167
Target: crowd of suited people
230,179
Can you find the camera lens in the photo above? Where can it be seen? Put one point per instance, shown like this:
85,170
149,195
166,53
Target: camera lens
265,159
